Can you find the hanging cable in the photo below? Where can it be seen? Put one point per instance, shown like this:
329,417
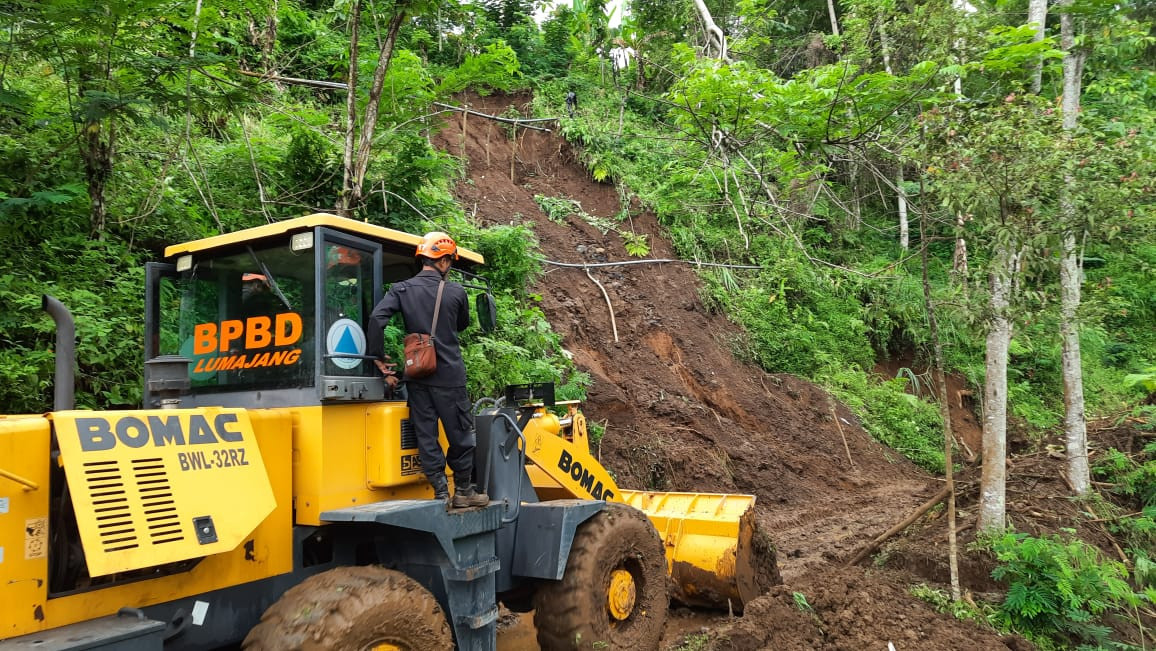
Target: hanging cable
579,265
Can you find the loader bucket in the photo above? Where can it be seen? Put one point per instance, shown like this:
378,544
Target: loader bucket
711,550
715,556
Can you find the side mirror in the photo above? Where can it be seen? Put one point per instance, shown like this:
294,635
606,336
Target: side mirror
487,310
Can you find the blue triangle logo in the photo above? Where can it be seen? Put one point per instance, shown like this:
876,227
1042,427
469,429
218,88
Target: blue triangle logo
346,344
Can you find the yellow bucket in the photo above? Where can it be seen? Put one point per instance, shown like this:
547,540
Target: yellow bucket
713,555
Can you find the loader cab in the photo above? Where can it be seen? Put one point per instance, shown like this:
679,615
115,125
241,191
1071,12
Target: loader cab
275,316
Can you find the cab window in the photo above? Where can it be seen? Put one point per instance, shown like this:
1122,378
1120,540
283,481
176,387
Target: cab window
247,320
349,292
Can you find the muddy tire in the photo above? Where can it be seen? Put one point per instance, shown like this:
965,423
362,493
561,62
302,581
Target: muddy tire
353,608
615,592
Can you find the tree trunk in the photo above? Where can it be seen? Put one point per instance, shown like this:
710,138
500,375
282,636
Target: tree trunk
901,193
834,18
992,500
944,413
269,38
959,259
714,34
1075,425
350,113
96,140
96,147
1037,16
263,35
904,235
370,122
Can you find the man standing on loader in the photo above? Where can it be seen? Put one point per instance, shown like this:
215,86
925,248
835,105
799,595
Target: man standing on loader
442,394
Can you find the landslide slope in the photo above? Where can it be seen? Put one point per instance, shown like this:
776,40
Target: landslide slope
680,412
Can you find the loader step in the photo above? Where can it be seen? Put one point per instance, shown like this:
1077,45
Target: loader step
124,632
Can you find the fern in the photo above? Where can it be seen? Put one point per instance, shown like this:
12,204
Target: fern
1060,589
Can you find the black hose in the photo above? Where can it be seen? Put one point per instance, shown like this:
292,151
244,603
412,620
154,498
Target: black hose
623,263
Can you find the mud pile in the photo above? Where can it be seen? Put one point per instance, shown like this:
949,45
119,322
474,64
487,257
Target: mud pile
850,608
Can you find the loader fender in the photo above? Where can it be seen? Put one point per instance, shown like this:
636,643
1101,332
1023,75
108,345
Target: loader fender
546,532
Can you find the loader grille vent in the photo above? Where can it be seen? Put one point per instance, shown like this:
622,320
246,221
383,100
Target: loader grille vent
156,495
408,435
110,506
111,494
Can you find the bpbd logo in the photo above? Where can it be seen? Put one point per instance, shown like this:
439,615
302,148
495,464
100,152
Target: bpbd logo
345,343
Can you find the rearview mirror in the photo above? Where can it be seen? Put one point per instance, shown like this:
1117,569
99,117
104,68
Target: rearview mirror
487,312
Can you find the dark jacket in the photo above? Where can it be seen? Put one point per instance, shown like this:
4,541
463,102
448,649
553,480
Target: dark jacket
414,298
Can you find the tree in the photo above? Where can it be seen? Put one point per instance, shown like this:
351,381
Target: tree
715,39
995,162
356,161
993,479
834,17
900,182
121,62
1038,18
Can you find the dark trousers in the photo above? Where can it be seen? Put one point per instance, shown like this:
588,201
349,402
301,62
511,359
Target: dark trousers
450,405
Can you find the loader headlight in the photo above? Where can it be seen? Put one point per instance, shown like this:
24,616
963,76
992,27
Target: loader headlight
301,242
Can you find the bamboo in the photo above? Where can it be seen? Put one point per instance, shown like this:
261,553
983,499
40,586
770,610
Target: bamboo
915,515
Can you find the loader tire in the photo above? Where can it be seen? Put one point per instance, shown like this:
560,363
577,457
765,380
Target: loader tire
353,609
579,612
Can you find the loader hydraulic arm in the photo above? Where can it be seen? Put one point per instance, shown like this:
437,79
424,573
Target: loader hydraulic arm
560,450
713,556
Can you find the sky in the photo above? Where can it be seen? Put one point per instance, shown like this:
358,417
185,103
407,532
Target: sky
539,16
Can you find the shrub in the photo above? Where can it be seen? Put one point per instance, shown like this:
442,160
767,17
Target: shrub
892,416
1059,588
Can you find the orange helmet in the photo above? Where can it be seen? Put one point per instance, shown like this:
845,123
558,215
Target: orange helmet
437,244
252,276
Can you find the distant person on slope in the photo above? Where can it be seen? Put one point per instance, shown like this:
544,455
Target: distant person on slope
442,395
571,102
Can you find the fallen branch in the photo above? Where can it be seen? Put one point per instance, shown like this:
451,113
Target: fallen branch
334,85
610,308
521,122
915,515
1116,517
312,83
841,433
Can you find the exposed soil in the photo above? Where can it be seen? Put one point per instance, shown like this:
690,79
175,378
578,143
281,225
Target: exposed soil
963,399
850,609
682,414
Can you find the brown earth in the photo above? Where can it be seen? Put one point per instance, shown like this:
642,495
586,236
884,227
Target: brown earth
681,413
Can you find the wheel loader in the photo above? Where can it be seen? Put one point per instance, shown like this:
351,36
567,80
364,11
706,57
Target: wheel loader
268,494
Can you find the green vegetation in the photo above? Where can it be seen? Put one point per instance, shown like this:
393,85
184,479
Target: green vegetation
1131,482
524,348
801,602
1060,590
127,125
980,613
697,642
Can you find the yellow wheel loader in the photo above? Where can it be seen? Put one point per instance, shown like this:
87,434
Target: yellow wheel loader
269,494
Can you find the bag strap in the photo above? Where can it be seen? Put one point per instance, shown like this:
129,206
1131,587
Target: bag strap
437,308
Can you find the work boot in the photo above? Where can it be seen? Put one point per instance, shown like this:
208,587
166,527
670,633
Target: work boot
441,487
468,496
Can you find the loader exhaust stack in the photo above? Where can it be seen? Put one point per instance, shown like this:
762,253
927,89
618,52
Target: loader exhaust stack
64,397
